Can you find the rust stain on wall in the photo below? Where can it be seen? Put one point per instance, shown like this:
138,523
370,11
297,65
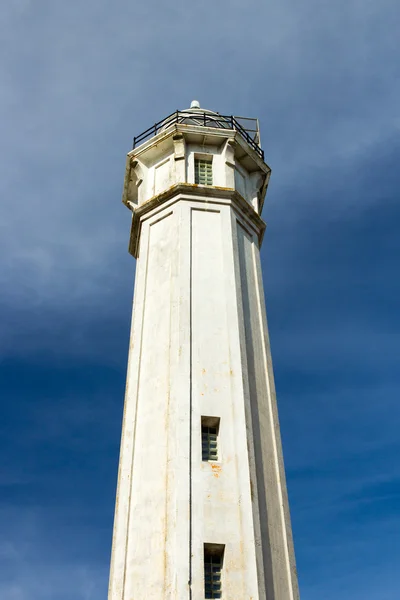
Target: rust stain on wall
216,470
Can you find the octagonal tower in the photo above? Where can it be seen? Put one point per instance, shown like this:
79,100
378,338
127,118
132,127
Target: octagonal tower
201,509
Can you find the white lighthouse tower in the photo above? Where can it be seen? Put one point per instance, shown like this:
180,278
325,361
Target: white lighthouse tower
201,508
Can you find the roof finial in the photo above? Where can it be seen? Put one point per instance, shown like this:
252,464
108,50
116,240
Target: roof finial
195,104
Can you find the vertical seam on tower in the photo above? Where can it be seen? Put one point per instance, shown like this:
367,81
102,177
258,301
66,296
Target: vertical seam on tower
190,402
233,392
167,427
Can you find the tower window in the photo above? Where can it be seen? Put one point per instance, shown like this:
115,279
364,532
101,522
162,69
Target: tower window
213,557
209,438
203,171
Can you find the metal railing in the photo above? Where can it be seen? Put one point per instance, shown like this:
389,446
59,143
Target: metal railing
202,119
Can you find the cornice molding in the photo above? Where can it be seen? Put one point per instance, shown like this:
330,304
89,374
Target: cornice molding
192,192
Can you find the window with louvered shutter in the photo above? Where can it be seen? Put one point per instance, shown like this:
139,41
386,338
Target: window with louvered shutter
209,443
213,572
203,171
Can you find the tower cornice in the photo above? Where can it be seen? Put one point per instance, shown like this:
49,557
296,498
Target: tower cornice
182,192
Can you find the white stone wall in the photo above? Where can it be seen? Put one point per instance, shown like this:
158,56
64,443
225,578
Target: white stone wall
222,512
199,347
154,169
270,503
151,527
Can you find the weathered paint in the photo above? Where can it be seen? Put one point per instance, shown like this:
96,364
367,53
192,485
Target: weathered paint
199,348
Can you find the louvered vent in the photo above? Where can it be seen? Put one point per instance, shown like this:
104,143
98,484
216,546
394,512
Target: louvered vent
209,445
212,573
203,171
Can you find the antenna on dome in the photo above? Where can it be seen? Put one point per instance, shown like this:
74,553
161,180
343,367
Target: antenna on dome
195,104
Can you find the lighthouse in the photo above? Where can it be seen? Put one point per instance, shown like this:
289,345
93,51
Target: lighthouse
201,506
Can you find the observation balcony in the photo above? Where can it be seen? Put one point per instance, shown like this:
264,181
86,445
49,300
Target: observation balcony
247,128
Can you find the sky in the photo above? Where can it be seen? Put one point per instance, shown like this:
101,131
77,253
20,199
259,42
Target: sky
78,80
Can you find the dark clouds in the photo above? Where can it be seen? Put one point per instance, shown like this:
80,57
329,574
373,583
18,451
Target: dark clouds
80,79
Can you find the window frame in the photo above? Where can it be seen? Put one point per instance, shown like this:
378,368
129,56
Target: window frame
213,559
210,439
206,160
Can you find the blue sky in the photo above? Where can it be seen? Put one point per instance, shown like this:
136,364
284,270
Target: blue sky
78,80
